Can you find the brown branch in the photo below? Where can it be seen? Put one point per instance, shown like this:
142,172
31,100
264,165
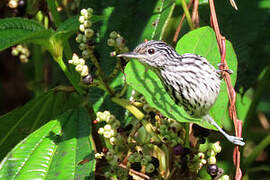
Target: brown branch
195,13
178,29
230,89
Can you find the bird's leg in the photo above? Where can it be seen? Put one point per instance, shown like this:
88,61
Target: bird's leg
233,139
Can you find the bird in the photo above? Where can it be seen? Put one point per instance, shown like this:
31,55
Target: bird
191,81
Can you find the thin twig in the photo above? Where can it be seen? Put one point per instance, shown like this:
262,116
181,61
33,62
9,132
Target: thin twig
175,37
135,172
195,13
230,89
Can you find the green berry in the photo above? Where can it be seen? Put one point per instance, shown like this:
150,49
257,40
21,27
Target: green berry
79,38
82,46
84,71
101,131
81,28
14,52
150,168
120,42
113,140
87,24
89,33
111,42
212,160
86,54
23,58
113,35
79,68
90,10
83,12
216,147
81,19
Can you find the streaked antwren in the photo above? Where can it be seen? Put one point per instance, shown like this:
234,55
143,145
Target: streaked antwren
191,80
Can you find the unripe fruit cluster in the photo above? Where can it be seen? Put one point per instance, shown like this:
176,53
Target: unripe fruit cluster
171,132
197,162
118,42
79,65
213,150
21,51
137,159
109,131
86,33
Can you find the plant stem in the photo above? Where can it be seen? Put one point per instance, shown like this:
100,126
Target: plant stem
126,104
100,74
185,8
256,151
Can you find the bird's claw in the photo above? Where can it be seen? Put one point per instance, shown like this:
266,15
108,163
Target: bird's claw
236,140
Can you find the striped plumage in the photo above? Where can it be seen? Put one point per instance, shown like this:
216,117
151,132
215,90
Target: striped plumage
190,79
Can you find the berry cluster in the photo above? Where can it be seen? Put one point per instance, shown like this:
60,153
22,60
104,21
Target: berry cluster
211,150
79,65
21,51
118,42
109,131
84,38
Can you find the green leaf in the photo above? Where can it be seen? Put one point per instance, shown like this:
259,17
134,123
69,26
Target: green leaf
19,123
17,30
201,41
54,150
156,24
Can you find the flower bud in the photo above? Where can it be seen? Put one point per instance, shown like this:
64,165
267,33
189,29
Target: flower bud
81,28
83,12
87,24
101,131
81,19
79,68
86,54
113,35
212,160
82,46
89,33
84,71
111,42
216,147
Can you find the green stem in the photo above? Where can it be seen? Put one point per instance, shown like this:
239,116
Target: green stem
55,15
63,66
264,80
186,11
187,135
115,70
126,104
100,73
39,75
256,151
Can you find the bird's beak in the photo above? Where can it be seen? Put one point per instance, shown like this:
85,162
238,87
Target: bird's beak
130,55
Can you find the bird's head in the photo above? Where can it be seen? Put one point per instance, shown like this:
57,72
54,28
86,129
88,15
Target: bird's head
155,54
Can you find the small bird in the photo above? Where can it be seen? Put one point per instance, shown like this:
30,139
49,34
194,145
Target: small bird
190,79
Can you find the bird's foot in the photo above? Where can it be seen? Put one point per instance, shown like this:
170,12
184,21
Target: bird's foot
236,140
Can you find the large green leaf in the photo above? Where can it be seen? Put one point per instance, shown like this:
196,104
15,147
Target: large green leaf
19,123
54,151
201,41
17,30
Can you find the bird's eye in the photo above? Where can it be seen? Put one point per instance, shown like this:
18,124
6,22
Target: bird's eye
151,51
